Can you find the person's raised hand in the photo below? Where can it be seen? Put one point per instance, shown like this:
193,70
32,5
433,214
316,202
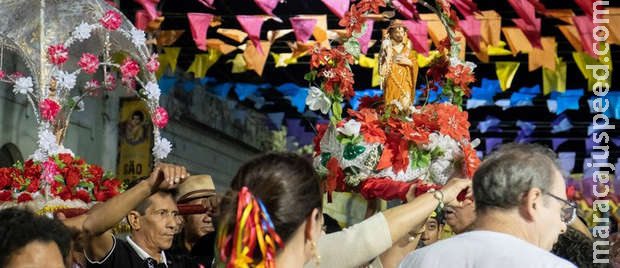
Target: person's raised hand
167,176
453,188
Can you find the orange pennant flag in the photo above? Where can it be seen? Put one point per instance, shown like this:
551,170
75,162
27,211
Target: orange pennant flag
233,34
220,46
438,32
273,35
565,15
320,29
516,40
545,57
168,37
490,26
299,48
254,59
612,26
572,35
154,25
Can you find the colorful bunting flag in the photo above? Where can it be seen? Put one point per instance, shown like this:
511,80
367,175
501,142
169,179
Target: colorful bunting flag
273,35
498,50
587,6
338,7
320,30
252,25
418,35
492,143
490,124
142,19
284,59
208,3
221,90
561,124
202,62
239,65
556,142
506,71
407,9
614,20
168,37
364,40
438,32
465,7
199,23
524,9
244,90
166,83
267,5
583,60
545,57
220,46
555,80
565,15
424,61
491,25
471,29
254,59
584,26
572,35
531,30
517,41
303,28
233,34
149,7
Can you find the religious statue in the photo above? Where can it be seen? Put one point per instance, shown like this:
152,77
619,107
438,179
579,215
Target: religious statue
397,66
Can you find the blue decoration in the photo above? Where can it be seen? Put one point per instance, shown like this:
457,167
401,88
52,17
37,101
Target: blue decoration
221,90
207,79
243,90
288,89
535,90
276,119
561,124
188,86
519,99
299,99
166,83
489,124
355,101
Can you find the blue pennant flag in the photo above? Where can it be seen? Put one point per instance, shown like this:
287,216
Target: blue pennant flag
166,83
556,142
535,90
221,90
561,124
244,90
288,89
490,124
299,99
276,119
566,160
519,99
207,79
188,86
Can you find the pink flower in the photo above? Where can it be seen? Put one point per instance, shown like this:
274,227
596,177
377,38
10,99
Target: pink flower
153,64
58,54
129,82
111,20
110,82
49,109
2,74
129,68
89,63
50,169
92,84
15,75
160,119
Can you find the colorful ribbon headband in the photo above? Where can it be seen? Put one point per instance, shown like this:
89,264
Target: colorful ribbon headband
253,226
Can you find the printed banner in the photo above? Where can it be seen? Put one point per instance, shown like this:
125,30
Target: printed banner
135,138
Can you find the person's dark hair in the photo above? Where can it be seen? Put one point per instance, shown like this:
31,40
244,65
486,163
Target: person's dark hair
509,172
287,185
138,114
146,203
19,227
576,247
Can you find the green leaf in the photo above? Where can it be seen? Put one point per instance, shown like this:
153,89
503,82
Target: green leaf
352,46
72,103
337,111
310,76
357,139
359,34
345,140
59,178
436,153
424,160
88,185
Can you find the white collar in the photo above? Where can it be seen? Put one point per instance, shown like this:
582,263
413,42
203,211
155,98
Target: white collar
142,254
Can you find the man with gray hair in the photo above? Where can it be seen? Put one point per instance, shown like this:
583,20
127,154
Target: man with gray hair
521,208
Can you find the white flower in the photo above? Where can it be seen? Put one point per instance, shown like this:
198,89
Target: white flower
351,128
152,91
47,140
162,148
23,85
65,80
79,103
471,66
441,171
445,143
82,31
138,37
397,104
39,156
455,61
316,100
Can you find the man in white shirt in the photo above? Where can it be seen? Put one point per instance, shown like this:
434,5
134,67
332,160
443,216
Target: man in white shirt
521,209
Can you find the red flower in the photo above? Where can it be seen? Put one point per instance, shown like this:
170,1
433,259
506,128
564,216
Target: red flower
24,197
395,153
60,191
346,82
414,133
72,177
341,56
49,109
371,126
160,118
452,122
129,68
6,196
67,159
32,170
335,177
33,187
5,177
471,160
369,102
83,195
58,54
352,20
319,55
461,76
2,74
112,185
89,63
153,64
110,82
370,5
321,129
332,78
78,162
100,195
111,20
95,171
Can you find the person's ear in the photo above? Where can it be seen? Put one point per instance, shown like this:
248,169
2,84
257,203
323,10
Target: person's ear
313,223
531,203
134,219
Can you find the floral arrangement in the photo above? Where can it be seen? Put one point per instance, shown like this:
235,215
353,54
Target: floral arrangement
381,149
53,104
61,177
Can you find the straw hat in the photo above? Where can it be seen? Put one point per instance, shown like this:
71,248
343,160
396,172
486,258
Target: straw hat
197,186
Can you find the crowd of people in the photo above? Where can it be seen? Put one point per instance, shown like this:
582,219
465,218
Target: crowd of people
514,213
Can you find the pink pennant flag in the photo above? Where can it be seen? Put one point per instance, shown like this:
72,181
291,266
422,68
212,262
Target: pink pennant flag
207,3
365,39
142,19
406,9
338,7
471,30
465,7
418,35
524,9
199,23
584,26
587,6
149,6
531,31
252,25
267,5
303,28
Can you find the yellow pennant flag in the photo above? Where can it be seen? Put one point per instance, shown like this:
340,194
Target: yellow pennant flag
583,59
172,54
555,80
284,59
202,62
506,71
499,50
168,37
367,62
239,65
424,61
373,63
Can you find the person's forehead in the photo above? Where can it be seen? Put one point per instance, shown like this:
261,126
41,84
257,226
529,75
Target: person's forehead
162,201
